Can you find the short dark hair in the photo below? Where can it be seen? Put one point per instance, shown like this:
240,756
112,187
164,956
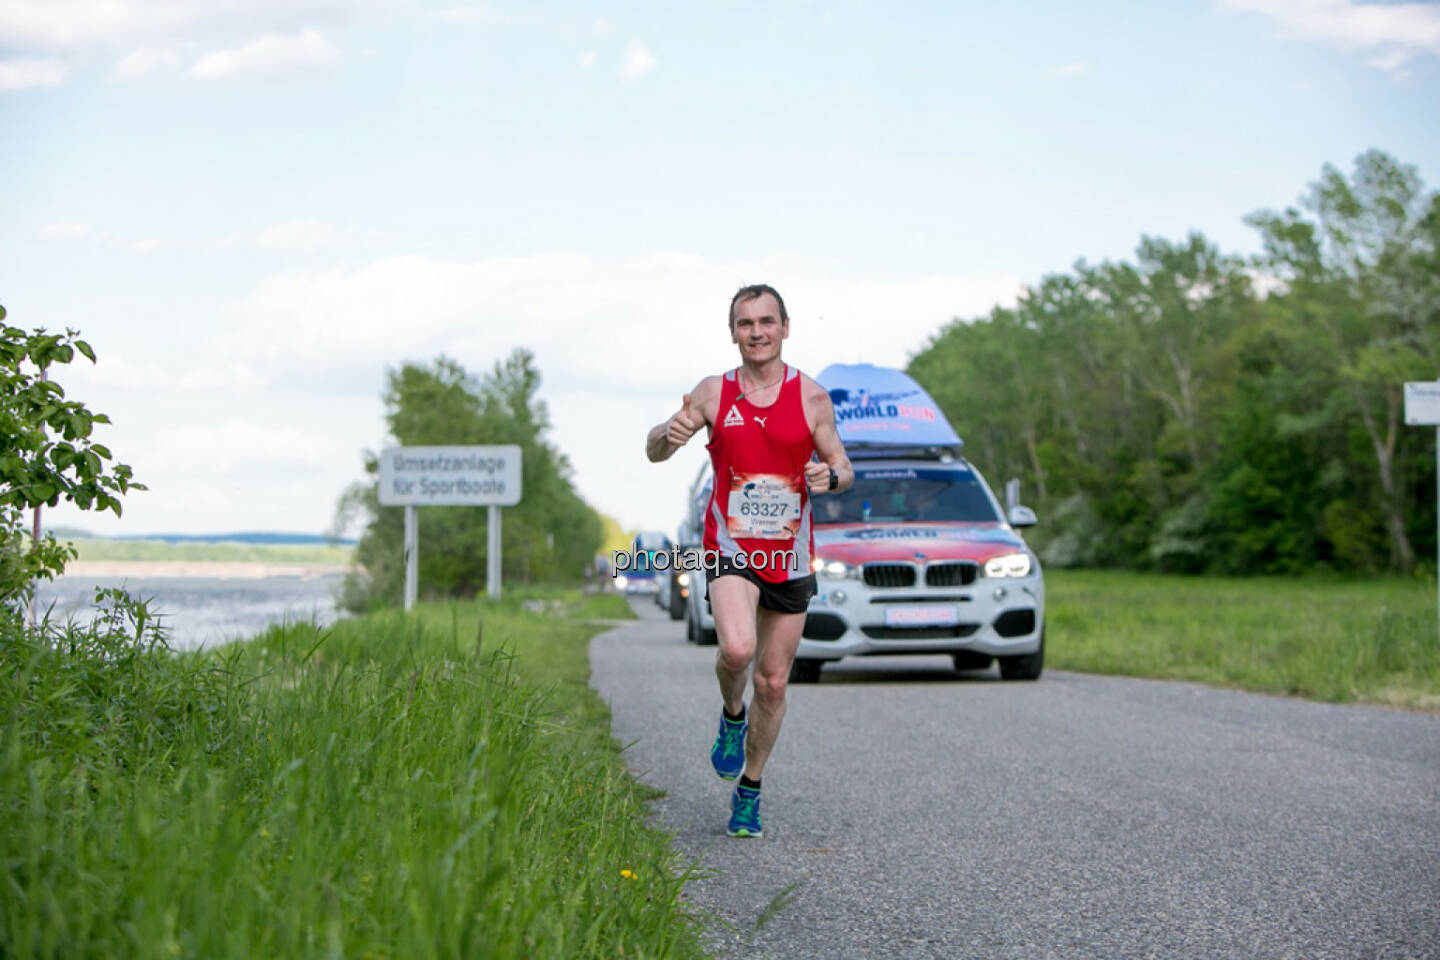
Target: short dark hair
753,291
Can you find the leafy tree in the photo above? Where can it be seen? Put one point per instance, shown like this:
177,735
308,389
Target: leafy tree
1176,308
1363,278
1194,411
46,454
960,369
551,535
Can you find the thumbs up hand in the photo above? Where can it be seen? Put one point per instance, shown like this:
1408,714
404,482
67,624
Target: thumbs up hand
684,424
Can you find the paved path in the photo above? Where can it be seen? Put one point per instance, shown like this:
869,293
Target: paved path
914,812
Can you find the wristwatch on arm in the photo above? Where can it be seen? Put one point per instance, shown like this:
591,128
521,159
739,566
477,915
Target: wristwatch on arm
834,480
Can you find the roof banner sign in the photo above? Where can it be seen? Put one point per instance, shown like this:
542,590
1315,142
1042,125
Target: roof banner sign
877,406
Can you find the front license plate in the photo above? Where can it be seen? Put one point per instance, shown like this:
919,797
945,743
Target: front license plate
918,616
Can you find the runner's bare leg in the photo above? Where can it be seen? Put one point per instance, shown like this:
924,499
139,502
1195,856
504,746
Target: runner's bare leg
778,638
734,600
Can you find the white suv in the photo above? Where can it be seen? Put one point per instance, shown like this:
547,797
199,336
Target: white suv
918,557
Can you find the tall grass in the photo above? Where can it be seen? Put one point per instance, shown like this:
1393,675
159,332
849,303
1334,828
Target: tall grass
433,786
1337,640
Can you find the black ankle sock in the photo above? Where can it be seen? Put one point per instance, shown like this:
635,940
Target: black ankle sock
733,717
748,783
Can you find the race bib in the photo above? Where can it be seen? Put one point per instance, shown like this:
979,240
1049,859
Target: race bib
763,506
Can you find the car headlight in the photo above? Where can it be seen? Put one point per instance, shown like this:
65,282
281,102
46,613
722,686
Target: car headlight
1009,565
621,581
833,569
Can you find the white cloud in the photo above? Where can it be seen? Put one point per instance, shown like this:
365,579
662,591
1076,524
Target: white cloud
618,341
1076,69
156,33
304,236
27,73
602,28
117,372
69,24
65,231
142,62
235,443
638,61
587,314
84,231
280,464
1392,33
113,372
475,14
231,377
587,59
77,25
296,236
1391,60
269,54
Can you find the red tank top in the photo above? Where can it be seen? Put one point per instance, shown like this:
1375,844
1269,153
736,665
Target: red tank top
760,503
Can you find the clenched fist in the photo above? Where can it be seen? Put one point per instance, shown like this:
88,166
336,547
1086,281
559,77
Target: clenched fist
683,425
817,476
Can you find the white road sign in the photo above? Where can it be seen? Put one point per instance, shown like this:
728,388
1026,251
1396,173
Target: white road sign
450,476
1422,403
1422,409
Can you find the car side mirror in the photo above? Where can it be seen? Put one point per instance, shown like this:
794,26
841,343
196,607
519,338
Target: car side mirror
1022,517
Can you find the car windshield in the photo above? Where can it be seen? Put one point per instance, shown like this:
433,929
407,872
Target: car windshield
904,495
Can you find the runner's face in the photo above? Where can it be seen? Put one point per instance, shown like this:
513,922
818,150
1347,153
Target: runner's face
758,329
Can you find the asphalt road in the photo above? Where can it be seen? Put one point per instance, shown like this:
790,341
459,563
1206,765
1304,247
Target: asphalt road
910,811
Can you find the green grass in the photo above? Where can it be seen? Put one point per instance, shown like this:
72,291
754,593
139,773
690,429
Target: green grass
157,550
441,785
1373,641
604,606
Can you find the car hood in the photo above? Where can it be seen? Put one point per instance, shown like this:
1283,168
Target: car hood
871,542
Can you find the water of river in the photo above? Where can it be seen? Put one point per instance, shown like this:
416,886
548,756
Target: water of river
203,611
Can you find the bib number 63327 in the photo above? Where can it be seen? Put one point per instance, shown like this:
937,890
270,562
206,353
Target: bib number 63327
763,507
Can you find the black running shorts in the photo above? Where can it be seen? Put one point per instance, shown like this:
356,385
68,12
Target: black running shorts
792,596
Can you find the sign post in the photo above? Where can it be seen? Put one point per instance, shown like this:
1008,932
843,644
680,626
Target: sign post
412,555
469,476
1422,409
492,549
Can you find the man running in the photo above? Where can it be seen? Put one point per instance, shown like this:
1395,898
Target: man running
765,420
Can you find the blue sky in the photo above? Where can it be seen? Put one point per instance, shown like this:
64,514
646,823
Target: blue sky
253,210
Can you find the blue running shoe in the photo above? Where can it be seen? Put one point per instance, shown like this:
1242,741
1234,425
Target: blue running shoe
744,813
727,756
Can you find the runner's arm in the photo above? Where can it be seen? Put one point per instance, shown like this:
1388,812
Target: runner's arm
827,443
671,434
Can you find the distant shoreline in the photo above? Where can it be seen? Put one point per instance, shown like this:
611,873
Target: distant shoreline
212,569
